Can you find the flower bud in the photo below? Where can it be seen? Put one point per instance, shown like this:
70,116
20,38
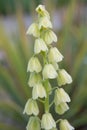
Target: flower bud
63,77
49,72
31,107
64,125
61,96
61,108
38,91
44,22
33,124
54,55
40,46
42,11
34,65
47,121
34,79
33,30
49,37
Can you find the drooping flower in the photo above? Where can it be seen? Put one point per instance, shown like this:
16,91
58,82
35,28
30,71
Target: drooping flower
55,65
31,107
42,11
34,79
65,125
44,22
54,55
47,121
49,72
61,96
63,77
33,124
34,65
49,37
33,30
61,108
40,46
38,91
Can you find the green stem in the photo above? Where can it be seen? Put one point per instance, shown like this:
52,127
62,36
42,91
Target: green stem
47,103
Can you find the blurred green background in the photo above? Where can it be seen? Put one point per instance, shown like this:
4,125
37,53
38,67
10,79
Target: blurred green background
69,18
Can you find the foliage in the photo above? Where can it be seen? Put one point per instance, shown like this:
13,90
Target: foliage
13,77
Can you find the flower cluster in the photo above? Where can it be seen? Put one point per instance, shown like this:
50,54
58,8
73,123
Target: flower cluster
41,70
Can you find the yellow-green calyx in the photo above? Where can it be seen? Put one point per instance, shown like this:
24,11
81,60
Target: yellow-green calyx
43,67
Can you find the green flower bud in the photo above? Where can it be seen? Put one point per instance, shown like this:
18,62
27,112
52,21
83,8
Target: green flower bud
54,55
44,22
34,79
40,46
34,65
49,37
33,124
64,125
42,11
61,108
38,91
47,121
61,96
33,30
31,107
63,77
49,72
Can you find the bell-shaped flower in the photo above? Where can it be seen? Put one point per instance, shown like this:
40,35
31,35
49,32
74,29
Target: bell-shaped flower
34,79
33,124
49,37
40,46
61,96
47,121
49,72
55,65
42,11
61,108
31,107
65,125
38,91
48,86
34,65
63,77
44,22
54,55
33,30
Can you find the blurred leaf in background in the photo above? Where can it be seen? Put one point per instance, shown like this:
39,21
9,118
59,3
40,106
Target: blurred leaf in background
16,49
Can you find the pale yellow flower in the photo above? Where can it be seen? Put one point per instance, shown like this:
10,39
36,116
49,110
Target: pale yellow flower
65,125
63,77
47,121
40,46
44,22
31,107
34,79
33,124
61,96
49,72
61,108
38,91
49,37
54,55
34,65
33,30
